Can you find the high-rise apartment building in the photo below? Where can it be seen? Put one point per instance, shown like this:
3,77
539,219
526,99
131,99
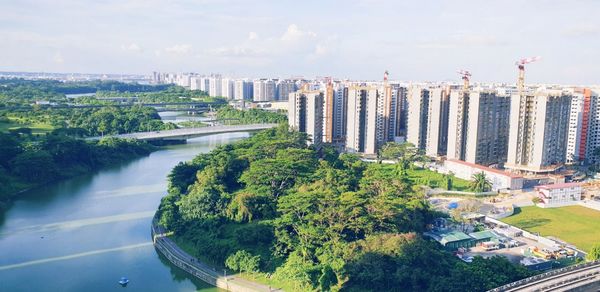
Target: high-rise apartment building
215,85
579,123
243,90
227,88
340,108
328,113
478,126
539,125
284,88
264,90
427,121
418,111
305,114
591,130
356,130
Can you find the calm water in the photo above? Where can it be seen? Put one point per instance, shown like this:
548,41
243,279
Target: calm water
83,234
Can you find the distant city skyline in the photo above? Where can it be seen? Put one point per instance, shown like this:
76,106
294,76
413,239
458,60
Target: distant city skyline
414,40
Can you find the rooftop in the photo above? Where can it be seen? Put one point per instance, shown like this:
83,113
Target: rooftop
485,168
559,186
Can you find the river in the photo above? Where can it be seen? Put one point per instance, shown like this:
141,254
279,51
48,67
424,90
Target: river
84,233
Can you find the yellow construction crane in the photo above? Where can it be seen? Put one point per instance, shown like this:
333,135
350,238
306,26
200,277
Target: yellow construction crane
521,65
466,76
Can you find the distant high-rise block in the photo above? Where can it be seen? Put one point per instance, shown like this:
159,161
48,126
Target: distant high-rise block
243,90
478,126
539,125
227,88
284,88
305,114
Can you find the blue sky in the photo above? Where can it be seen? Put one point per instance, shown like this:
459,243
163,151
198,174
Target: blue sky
425,40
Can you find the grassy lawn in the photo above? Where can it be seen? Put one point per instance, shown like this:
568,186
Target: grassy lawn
574,224
36,128
421,174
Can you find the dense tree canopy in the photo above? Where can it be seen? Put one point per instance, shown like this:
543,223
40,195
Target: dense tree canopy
314,218
28,161
250,116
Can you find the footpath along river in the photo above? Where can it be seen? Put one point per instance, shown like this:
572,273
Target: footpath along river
85,233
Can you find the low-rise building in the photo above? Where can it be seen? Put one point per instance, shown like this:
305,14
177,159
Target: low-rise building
499,179
558,195
450,239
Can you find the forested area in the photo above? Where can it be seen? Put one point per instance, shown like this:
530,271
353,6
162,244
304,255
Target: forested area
172,94
306,219
28,161
250,116
21,91
83,122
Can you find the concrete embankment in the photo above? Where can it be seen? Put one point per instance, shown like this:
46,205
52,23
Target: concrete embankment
202,271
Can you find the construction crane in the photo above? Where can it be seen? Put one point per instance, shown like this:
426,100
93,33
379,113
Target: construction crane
466,76
521,65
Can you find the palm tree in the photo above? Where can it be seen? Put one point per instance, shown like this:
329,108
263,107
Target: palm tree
480,183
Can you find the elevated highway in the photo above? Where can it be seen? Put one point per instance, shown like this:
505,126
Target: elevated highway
188,133
582,277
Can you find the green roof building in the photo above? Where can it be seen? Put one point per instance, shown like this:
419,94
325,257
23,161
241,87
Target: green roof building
452,240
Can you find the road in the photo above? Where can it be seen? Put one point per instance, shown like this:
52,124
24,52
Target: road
188,133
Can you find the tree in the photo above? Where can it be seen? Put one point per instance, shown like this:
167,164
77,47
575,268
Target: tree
327,279
34,166
243,261
449,180
594,253
9,148
480,183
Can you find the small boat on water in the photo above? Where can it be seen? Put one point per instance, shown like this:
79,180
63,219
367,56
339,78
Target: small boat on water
124,281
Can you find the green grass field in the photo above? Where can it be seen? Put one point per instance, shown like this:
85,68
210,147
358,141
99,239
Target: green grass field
422,174
574,224
36,128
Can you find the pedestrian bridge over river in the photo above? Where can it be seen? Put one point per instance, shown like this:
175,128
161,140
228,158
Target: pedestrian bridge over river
188,133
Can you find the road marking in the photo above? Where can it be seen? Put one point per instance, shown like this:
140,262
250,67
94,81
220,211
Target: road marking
80,223
73,256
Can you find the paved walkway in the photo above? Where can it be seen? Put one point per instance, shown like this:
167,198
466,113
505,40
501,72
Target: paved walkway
183,256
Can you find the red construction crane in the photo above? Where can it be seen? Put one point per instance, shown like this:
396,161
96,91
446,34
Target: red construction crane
521,65
466,76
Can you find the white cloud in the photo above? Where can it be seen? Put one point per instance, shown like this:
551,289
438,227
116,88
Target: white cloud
133,47
461,40
58,58
252,36
581,30
293,33
180,49
236,51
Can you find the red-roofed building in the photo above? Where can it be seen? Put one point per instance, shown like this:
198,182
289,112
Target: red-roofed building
500,179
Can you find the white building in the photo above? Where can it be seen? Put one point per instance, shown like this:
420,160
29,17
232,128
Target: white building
558,195
243,90
264,90
215,85
305,114
284,88
478,126
356,120
500,179
227,88
418,110
538,131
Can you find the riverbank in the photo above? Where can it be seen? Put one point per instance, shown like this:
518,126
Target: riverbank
198,269
57,158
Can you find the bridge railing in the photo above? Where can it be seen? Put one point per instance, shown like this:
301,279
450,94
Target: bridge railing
540,277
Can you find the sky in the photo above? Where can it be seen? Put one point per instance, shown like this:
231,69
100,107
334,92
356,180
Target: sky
425,40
